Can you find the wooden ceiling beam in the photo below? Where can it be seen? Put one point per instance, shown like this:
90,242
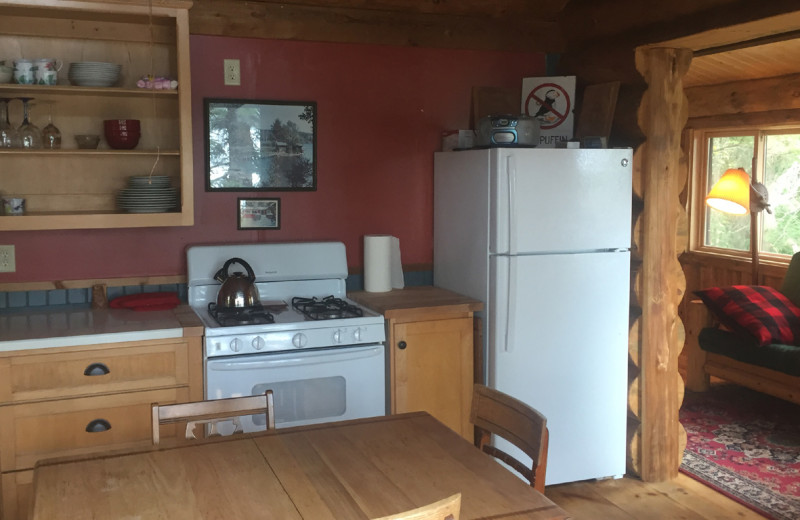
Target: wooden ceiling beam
292,21
780,27
738,97
590,23
544,10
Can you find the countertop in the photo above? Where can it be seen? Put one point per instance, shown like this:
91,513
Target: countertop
417,298
71,326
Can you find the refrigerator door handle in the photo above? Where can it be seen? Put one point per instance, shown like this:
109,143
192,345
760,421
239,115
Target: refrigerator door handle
511,298
511,168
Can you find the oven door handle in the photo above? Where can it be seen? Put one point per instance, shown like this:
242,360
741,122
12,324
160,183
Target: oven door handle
297,359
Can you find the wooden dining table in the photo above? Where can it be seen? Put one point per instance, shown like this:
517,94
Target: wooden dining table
358,469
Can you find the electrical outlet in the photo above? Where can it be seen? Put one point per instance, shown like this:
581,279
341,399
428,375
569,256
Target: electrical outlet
231,68
7,262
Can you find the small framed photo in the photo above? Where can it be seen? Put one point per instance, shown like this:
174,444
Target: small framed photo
260,145
258,213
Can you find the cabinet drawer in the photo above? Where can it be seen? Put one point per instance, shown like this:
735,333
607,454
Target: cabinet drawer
33,431
107,368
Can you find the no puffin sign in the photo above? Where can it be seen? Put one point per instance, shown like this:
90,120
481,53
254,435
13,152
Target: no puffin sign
551,101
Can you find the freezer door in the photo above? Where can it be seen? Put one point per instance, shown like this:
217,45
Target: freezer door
559,330
556,200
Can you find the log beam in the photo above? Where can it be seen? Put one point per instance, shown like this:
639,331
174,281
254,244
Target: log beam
742,103
662,116
704,23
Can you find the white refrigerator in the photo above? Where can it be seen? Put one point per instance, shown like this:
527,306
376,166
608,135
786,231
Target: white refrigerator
542,237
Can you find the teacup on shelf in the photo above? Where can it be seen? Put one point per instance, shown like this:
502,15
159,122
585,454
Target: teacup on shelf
13,206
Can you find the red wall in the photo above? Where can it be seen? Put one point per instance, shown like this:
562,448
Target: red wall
381,111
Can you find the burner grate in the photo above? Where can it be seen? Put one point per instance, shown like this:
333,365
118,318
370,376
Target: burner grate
233,316
327,308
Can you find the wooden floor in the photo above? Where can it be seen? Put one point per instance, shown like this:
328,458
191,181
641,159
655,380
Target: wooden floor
628,498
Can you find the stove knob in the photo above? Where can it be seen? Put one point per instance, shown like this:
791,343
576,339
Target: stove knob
258,343
299,340
337,336
236,345
357,334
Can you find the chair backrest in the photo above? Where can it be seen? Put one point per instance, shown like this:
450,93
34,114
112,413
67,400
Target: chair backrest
447,509
500,414
213,411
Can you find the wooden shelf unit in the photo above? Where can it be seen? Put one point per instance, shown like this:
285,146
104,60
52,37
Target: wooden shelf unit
73,188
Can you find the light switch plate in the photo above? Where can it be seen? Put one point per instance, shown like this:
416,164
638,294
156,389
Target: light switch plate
8,263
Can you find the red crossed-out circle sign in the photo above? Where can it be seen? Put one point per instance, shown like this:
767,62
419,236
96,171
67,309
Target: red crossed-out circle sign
537,95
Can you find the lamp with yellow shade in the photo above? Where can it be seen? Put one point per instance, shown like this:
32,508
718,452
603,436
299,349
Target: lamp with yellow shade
734,193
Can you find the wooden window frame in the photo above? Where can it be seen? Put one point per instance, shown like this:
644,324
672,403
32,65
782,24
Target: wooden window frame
698,181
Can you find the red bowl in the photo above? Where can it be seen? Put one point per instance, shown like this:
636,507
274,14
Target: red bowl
122,134
119,144
122,143
130,125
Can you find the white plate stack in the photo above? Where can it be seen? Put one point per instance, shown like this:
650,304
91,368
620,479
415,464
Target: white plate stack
148,194
94,73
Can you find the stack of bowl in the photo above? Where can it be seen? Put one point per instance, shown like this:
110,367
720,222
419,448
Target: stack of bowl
94,73
122,134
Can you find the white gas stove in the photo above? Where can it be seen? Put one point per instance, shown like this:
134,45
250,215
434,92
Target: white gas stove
322,354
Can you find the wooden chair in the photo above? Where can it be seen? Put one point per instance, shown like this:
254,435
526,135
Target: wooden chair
516,422
447,509
213,411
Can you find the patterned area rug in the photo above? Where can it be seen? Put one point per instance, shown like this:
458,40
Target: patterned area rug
746,445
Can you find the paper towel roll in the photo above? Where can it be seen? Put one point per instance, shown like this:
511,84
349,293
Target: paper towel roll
383,268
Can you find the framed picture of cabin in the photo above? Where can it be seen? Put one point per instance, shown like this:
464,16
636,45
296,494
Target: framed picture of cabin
253,145
258,213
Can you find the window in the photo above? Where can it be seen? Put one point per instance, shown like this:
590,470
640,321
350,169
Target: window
771,157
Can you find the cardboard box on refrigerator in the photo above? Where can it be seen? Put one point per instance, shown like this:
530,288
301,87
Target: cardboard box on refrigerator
550,99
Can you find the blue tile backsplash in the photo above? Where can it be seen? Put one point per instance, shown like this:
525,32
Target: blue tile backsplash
17,300
38,299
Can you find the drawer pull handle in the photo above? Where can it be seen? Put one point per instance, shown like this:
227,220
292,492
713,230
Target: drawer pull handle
402,345
96,369
98,425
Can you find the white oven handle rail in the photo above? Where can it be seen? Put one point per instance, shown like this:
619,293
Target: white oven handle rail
307,356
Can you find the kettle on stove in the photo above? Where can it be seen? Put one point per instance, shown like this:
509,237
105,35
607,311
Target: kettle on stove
238,289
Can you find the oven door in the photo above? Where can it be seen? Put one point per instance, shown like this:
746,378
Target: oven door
309,386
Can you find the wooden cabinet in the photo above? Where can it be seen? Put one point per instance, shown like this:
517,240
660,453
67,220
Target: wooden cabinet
74,188
80,400
431,348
